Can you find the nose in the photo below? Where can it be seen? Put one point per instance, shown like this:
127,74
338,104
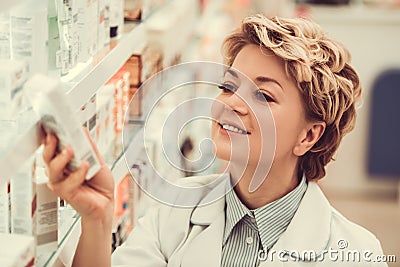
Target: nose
236,103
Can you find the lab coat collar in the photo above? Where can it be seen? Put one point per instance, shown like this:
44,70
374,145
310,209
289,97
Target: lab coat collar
206,213
310,228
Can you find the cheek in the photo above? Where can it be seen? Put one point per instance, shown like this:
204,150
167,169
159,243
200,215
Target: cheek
217,108
288,128
262,140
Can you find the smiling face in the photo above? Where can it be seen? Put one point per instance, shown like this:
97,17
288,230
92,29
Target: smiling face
259,115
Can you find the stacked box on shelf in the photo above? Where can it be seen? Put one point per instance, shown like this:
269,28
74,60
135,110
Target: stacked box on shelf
34,207
140,9
13,74
169,20
123,211
119,83
88,117
105,133
5,208
141,67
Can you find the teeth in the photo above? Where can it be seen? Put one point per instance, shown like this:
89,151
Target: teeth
233,129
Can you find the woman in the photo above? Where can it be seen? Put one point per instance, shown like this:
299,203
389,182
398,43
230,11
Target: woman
303,79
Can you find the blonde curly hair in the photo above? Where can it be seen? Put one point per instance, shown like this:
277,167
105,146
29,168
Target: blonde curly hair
329,85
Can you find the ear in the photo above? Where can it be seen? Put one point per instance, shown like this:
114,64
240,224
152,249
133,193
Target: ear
309,137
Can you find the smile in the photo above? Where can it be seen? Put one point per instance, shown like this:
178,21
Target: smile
232,128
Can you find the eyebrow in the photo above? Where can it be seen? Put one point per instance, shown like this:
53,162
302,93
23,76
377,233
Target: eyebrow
259,79
232,72
262,79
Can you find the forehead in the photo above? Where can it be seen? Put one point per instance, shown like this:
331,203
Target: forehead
254,62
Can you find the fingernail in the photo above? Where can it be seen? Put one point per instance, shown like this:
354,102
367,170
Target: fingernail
65,151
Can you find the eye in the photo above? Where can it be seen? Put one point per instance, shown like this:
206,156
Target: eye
227,88
263,96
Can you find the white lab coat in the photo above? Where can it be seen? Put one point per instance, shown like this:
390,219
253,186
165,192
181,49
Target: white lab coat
168,236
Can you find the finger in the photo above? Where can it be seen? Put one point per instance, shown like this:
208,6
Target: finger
50,146
66,188
43,134
59,163
101,160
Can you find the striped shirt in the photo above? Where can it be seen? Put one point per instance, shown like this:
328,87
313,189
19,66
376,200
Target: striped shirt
248,231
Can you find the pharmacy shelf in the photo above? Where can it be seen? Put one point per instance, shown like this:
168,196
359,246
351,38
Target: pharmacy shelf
80,89
105,64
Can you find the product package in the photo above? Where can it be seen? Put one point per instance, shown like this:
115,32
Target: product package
87,19
141,67
17,250
54,60
5,41
4,208
133,9
140,9
103,31
116,18
123,211
53,107
34,206
92,120
105,134
29,35
87,116
13,74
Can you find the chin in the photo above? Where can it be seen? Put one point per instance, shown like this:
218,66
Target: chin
222,151
224,155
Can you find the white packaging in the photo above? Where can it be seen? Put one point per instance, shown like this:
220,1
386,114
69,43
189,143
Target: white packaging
54,41
105,124
4,208
116,18
13,74
45,217
106,28
17,250
87,19
29,35
94,26
101,37
82,26
34,206
74,35
64,21
5,41
53,107
22,199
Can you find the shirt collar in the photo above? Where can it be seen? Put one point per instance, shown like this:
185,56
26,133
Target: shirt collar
235,211
272,219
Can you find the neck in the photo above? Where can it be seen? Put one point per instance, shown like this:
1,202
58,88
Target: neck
274,186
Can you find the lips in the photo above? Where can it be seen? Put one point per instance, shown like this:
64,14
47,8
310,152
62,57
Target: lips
232,128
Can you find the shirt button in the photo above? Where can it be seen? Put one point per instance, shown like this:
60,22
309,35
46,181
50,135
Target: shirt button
253,220
249,240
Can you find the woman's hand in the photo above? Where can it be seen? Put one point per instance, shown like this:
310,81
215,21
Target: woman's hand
93,199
